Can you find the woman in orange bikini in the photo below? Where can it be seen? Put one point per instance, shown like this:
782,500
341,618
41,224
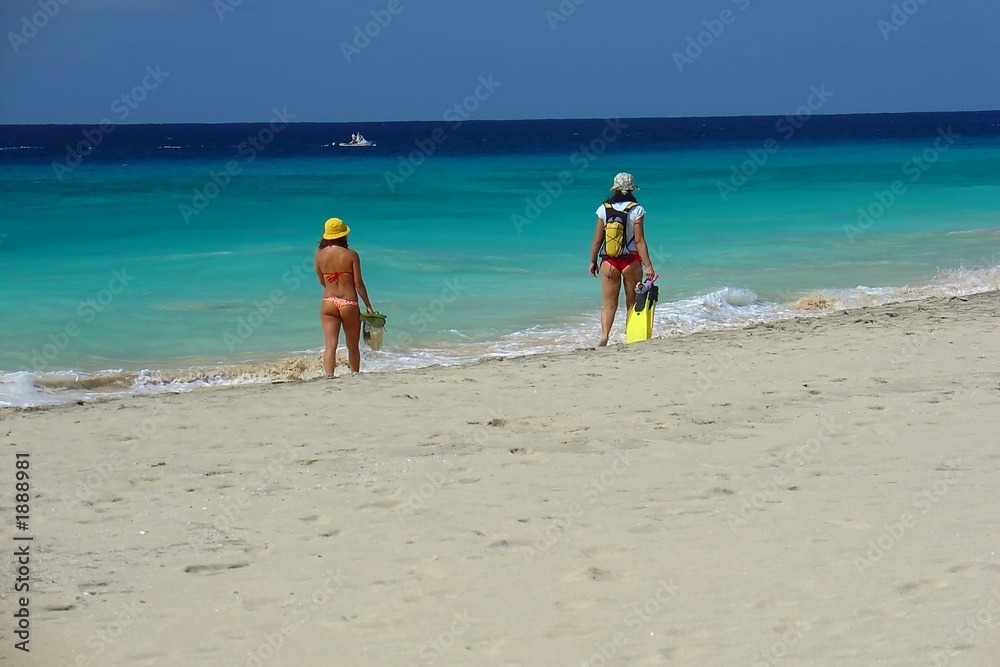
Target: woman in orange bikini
627,267
339,272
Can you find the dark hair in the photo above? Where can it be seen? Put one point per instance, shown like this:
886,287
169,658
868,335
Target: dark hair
326,243
619,196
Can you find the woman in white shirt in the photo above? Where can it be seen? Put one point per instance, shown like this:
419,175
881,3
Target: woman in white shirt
618,253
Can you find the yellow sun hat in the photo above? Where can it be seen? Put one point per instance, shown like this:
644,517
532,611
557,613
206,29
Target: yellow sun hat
335,229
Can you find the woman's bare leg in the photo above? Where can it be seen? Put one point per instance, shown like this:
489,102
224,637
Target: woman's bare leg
351,317
631,277
330,319
611,285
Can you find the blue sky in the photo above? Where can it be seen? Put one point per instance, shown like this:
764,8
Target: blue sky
68,61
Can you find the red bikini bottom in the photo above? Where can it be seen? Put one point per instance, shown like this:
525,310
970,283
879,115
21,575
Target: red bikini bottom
622,263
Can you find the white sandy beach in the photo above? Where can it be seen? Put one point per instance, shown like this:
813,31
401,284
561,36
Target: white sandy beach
811,492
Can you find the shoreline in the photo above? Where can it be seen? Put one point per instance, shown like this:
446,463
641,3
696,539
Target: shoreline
281,367
816,490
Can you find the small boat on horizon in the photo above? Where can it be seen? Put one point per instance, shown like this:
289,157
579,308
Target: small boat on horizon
357,141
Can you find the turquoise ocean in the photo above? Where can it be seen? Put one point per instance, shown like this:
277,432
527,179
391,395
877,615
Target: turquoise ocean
162,258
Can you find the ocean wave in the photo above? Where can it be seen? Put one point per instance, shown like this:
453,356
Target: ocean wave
88,382
951,282
27,389
725,308
185,256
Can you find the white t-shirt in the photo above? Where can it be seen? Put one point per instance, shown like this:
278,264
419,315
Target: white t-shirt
637,212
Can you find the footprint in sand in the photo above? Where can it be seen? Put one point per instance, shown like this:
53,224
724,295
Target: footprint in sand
594,574
93,589
566,630
853,524
213,569
394,498
923,587
574,605
382,504
600,551
973,569
682,653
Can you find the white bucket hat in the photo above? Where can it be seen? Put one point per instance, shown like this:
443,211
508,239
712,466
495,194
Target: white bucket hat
624,183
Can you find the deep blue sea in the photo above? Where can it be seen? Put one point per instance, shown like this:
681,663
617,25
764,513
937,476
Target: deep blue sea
162,257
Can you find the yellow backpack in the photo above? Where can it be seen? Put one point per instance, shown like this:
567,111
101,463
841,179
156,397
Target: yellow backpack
615,225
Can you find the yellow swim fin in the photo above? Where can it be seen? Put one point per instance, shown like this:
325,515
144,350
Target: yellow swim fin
639,322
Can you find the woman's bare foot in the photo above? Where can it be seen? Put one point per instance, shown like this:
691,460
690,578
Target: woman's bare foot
603,342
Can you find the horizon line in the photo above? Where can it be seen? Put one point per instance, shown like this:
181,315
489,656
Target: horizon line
515,120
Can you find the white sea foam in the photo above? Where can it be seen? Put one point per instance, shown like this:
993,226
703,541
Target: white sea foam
27,389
